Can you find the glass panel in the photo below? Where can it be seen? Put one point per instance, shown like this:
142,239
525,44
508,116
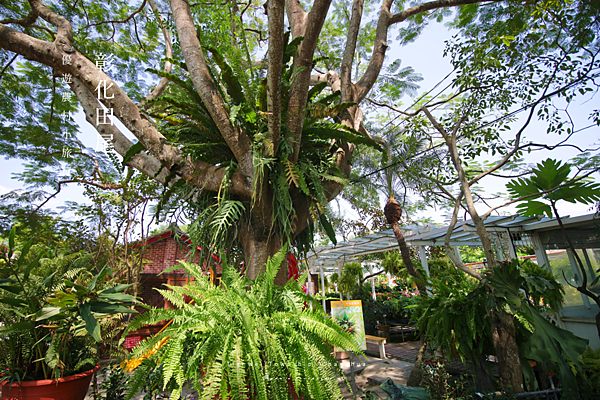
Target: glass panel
560,264
593,256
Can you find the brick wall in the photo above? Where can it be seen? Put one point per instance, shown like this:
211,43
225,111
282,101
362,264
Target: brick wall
163,254
166,253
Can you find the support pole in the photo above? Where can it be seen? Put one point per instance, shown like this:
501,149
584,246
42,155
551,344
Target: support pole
372,283
512,251
322,285
339,265
540,251
423,257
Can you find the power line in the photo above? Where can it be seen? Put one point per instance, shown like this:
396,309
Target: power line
512,113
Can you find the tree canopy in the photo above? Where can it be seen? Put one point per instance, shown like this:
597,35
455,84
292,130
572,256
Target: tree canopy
259,108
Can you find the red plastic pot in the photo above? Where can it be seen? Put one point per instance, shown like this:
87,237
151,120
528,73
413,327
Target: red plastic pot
72,387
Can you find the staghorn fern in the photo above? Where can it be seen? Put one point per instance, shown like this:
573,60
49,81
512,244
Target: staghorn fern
245,339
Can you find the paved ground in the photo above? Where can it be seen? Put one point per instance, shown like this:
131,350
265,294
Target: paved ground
369,374
406,351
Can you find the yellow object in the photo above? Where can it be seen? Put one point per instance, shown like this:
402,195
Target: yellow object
130,365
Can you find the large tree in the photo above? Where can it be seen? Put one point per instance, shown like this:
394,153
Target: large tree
62,41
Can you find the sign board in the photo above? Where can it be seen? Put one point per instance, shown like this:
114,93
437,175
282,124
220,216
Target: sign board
131,342
349,314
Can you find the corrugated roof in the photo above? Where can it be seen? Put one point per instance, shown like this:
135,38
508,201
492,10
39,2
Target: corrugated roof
463,234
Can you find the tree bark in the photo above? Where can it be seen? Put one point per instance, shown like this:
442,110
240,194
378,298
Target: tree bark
392,213
416,374
258,246
507,352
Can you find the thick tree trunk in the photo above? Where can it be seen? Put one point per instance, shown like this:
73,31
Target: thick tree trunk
507,352
416,374
258,246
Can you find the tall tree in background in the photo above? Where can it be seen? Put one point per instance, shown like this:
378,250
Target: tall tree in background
474,133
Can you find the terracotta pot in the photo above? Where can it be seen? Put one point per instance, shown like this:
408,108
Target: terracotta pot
72,387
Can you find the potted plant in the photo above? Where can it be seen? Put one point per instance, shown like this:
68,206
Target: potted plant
49,326
245,339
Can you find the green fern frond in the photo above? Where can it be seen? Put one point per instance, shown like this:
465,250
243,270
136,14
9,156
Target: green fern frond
248,342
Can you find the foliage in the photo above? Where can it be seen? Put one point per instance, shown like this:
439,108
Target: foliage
51,337
440,385
542,287
271,346
589,381
456,316
439,267
550,181
114,383
351,275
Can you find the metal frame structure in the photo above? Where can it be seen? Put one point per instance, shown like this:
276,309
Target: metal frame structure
506,232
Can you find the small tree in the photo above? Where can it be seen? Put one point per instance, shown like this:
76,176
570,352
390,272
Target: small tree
550,183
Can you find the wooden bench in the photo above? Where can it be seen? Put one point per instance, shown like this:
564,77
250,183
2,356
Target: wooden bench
379,341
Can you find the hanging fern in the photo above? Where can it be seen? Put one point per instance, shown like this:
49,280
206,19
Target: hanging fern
245,339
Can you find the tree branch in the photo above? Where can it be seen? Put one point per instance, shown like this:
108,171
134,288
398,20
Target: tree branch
61,183
350,49
449,250
296,17
432,5
276,45
7,65
169,53
238,141
302,67
64,34
196,173
25,22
